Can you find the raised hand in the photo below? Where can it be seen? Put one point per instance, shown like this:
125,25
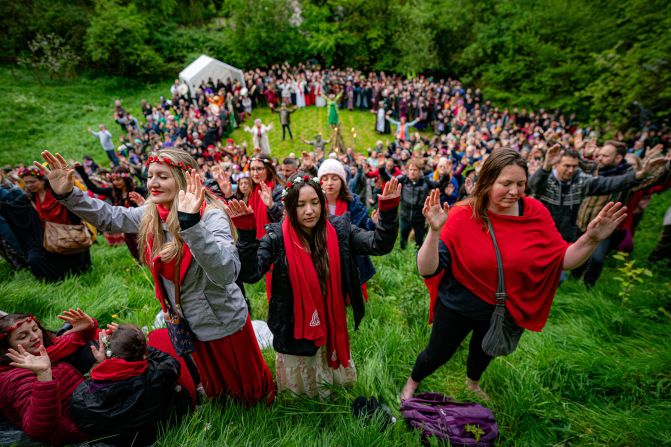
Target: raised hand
469,185
78,319
136,198
266,195
99,353
552,157
435,214
603,225
651,161
191,200
237,208
392,189
375,216
39,364
223,179
59,174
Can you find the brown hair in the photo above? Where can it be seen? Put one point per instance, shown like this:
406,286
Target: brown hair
9,320
619,146
128,342
414,162
315,242
491,169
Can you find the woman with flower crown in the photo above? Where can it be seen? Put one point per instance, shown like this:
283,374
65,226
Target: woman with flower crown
314,277
186,240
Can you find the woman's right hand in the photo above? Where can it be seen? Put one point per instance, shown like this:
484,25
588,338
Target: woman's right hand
435,214
39,364
59,174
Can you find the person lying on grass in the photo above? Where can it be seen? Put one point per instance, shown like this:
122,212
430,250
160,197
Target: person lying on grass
458,258
39,372
314,277
186,239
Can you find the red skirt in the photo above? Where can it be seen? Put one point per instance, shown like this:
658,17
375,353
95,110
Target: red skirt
159,339
233,366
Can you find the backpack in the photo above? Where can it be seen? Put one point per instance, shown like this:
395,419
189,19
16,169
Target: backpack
460,423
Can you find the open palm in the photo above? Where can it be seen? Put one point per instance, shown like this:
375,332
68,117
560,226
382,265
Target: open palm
435,214
191,200
59,174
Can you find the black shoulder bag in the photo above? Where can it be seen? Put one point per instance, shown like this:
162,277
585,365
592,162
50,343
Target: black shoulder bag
503,334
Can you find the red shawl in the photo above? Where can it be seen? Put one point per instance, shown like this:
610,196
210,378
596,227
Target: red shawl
341,207
532,251
260,209
118,369
167,269
318,318
50,210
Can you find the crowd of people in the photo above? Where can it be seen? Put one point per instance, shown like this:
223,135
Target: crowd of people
208,215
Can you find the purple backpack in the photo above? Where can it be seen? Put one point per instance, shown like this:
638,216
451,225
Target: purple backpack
461,423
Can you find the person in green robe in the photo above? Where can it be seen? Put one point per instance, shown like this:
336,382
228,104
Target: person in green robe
332,106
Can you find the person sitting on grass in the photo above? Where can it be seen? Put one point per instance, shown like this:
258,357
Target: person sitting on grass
132,392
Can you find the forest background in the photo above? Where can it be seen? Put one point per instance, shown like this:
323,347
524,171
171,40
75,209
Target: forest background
606,61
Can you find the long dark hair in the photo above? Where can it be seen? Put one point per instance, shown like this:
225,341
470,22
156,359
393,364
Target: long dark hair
316,242
9,320
117,194
491,169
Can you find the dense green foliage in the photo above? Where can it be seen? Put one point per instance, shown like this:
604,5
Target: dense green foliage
599,59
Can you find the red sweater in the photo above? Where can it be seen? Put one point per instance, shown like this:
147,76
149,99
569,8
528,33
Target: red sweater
41,409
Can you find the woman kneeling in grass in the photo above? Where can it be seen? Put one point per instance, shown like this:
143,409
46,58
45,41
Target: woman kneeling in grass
186,240
314,277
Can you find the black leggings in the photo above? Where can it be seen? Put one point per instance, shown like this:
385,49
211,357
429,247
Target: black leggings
449,330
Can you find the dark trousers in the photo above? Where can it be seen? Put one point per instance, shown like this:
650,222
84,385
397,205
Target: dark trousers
663,248
594,266
450,328
406,226
113,158
287,128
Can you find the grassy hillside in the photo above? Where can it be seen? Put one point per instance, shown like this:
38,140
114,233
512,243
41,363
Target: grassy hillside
597,375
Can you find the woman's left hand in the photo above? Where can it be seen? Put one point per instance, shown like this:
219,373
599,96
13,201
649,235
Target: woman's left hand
78,319
100,352
392,189
191,200
603,225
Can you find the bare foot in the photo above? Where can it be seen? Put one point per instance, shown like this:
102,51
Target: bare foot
474,387
409,389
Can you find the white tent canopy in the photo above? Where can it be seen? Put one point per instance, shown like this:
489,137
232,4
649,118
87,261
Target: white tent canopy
206,67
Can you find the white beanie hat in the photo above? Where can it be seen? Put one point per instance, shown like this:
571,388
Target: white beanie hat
332,166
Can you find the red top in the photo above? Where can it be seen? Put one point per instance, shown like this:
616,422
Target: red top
50,210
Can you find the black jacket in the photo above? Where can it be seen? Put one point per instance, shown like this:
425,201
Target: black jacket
258,256
413,196
131,411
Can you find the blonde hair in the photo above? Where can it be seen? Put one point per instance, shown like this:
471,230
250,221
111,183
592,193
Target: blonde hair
151,224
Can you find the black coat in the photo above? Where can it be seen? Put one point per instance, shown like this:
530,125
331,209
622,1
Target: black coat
258,256
413,196
130,411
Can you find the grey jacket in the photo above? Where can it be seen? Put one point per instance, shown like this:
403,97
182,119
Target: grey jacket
213,304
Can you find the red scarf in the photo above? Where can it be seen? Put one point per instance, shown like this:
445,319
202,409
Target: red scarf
50,210
167,269
532,251
318,318
118,369
260,209
341,207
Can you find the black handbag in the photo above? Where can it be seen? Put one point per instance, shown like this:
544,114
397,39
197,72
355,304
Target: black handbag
503,334
178,329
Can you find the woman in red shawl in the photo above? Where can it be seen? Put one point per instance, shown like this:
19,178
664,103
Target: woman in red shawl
49,210
459,258
314,277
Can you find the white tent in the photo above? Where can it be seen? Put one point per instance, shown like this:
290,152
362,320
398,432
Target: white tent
206,67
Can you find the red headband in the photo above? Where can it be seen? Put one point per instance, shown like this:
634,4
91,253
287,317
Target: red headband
167,161
15,326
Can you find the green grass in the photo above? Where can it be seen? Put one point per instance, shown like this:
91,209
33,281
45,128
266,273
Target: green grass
597,375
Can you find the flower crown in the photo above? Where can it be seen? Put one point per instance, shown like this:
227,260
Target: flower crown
165,160
15,326
300,180
31,170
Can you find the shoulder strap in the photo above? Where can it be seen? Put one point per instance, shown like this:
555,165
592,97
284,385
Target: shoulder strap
176,282
501,288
